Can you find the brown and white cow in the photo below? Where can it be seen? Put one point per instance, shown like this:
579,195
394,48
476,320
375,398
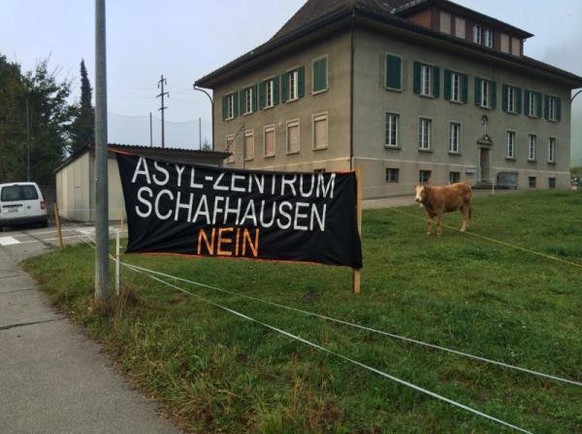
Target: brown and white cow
439,200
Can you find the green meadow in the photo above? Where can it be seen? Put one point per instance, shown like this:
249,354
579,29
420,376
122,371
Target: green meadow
239,346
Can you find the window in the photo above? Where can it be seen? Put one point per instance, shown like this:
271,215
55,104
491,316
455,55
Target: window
504,42
510,145
454,137
230,106
269,93
456,85
460,27
511,99
293,84
551,183
320,75
249,100
454,177
293,137
477,34
393,72
445,22
426,80
269,140
230,148
424,176
532,181
516,46
553,108
533,104
320,131
552,150
532,143
392,175
249,145
424,134
392,126
485,93
488,38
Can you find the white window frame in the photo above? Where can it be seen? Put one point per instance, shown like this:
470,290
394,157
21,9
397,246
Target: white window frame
455,137
511,99
551,149
229,106
532,144
424,134
321,117
533,104
292,124
552,108
249,94
392,123
293,84
426,80
455,87
510,140
485,94
477,34
269,92
488,37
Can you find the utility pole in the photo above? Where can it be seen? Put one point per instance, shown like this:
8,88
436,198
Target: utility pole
101,186
151,136
161,83
27,141
199,133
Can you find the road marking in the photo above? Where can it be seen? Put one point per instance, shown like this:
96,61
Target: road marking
8,241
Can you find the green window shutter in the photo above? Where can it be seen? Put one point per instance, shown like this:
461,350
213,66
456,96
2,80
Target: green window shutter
320,74
241,100
301,82
276,91
518,100
464,88
478,91
262,94
255,97
235,104
436,81
224,107
558,109
493,94
505,101
417,68
393,72
546,107
284,87
447,87
526,101
539,104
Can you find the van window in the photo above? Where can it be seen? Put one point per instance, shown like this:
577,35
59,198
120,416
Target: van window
15,193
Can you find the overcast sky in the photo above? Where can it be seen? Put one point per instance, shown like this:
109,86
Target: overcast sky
186,39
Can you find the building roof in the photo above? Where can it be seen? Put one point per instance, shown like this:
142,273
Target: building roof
169,154
317,18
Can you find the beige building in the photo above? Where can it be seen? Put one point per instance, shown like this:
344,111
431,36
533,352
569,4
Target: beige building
409,90
75,178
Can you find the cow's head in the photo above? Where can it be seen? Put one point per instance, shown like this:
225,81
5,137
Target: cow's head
421,193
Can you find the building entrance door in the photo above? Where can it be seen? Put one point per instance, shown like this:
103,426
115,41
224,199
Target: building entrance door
484,165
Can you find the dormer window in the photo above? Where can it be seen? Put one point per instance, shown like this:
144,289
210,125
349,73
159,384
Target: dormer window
488,38
477,34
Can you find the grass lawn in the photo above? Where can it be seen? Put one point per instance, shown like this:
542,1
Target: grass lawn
508,290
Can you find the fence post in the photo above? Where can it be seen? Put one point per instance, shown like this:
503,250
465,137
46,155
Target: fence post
357,273
58,225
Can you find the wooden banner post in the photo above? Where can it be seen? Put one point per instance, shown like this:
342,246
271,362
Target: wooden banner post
357,273
58,226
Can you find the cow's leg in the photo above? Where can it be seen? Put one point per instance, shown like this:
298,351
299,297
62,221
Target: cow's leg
466,211
439,225
429,228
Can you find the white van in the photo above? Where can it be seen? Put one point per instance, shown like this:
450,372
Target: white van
22,203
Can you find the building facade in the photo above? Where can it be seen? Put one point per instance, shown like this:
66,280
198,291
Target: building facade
410,91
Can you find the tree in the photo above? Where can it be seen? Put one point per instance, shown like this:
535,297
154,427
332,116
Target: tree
83,126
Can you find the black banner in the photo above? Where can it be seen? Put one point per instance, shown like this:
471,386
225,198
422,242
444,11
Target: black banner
208,211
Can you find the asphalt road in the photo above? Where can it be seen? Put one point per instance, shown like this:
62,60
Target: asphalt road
53,379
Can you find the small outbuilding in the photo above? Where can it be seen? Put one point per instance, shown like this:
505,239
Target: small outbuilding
75,177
